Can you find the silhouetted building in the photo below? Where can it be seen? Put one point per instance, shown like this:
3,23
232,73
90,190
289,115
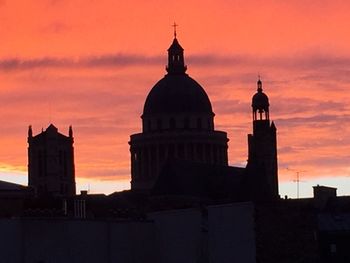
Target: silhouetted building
322,194
262,149
180,148
206,181
177,123
10,190
51,162
199,209
334,236
12,198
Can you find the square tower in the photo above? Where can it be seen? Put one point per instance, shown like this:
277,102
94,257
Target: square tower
51,162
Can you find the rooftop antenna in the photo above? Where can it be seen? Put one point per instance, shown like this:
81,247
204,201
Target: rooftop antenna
175,25
297,180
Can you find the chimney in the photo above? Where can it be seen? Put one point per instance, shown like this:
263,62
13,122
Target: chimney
322,194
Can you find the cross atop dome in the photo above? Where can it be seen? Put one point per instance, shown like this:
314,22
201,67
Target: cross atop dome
259,84
175,25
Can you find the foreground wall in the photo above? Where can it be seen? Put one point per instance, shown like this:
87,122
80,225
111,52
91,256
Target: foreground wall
231,236
214,234
223,233
178,234
51,241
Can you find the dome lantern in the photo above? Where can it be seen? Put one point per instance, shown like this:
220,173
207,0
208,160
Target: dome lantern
176,60
260,103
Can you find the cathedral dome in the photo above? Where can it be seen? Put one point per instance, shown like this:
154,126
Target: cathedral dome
177,102
177,94
260,100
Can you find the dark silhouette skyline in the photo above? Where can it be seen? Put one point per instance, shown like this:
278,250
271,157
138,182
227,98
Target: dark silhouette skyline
65,69
186,200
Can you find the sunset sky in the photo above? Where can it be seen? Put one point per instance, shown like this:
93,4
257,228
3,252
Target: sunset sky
91,64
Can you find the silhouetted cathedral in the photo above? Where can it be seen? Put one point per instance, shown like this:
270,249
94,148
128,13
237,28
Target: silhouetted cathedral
177,123
51,162
186,201
180,152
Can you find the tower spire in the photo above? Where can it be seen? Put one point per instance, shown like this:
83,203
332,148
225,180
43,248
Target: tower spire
175,25
30,131
259,84
70,131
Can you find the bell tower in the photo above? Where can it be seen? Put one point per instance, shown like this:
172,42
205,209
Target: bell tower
262,148
51,162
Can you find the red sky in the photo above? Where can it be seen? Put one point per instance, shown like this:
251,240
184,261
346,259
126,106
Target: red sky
91,64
